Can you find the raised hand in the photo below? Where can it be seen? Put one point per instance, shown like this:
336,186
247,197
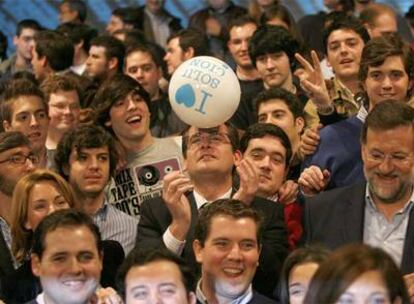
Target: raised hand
313,180
309,140
249,182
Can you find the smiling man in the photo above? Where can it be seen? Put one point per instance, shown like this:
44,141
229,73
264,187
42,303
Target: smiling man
87,158
122,106
227,244
69,271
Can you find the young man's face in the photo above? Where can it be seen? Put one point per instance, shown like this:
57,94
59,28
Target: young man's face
344,49
11,172
29,117
66,14
140,66
174,56
25,43
69,270
268,156
156,282
89,170
276,112
64,110
230,255
38,65
239,42
210,152
275,71
97,64
114,24
387,81
129,118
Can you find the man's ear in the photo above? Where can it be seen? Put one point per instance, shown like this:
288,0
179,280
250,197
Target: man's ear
6,125
198,251
35,263
189,53
237,156
113,63
299,124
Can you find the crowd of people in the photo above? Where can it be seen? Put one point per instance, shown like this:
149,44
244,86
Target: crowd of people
304,196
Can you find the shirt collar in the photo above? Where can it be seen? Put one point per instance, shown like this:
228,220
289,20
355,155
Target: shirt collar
407,207
200,200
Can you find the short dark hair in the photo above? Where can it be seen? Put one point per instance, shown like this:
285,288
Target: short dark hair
63,219
226,207
113,48
232,134
142,257
14,90
84,137
149,49
270,39
112,90
56,47
388,115
344,22
345,265
78,32
79,6
237,22
310,254
291,100
191,38
378,49
129,15
260,130
27,23
12,139
54,83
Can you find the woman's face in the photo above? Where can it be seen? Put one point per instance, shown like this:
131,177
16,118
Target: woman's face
368,288
299,279
44,198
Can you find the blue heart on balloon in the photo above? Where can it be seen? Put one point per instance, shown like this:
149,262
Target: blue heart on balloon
185,95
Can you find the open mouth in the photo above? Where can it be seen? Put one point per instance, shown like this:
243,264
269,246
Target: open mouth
346,61
34,135
134,119
233,272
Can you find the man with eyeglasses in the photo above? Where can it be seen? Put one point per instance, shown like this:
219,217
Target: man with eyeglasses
16,160
379,212
122,106
211,156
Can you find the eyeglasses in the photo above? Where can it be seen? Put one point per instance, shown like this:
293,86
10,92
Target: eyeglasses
214,138
20,159
397,159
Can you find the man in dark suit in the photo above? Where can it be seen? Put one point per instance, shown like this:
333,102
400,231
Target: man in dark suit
16,160
227,245
210,156
380,212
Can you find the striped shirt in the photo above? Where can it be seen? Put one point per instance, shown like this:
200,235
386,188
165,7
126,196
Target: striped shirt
117,226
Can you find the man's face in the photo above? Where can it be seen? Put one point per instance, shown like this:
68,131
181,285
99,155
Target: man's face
69,271
174,56
64,110
140,66
384,24
25,43
89,170
29,117
268,156
230,255
387,81
38,64
209,151
66,14
154,6
97,64
276,112
344,49
388,163
239,42
114,24
274,69
130,118
10,172
156,282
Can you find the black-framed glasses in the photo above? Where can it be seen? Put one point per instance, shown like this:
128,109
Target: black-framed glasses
20,159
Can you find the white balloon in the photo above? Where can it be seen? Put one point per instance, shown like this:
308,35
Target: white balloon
204,92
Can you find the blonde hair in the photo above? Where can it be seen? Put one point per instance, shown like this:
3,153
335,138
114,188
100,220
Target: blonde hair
21,236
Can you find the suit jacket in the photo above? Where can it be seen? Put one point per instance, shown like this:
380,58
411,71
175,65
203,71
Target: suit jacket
155,219
6,262
335,218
